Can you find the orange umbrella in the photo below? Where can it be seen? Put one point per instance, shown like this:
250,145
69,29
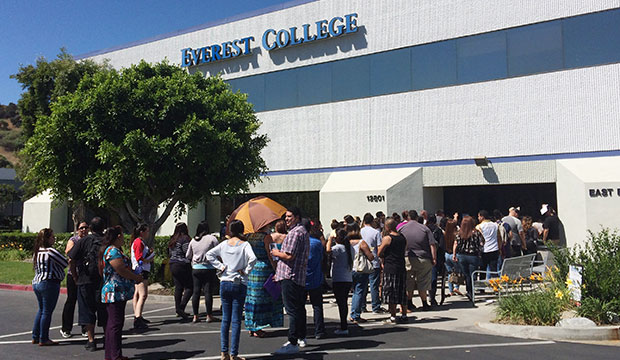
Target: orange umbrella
256,213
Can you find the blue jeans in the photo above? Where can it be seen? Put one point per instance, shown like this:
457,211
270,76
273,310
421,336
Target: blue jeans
232,297
452,266
360,288
375,279
469,263
47,296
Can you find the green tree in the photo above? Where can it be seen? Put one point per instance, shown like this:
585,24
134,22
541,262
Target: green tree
4,162
130,140
45,82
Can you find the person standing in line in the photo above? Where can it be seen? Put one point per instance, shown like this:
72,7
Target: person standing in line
291,273
141,257
405,219
118,287
49,270
392,250
380,217
237,261
181,269
203,272
341,269
451,265
280,232
360,280
504,236
517,243
314,281
467,249
85,268
492,242
261,309
372,237
422,254
69,308
531,235
438,268
551,225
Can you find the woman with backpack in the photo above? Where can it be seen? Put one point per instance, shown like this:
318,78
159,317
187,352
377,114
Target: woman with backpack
342,265
49,270
118,287
181,268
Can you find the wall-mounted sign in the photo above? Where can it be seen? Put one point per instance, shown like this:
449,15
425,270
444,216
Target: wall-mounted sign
375,198
271,40
603,192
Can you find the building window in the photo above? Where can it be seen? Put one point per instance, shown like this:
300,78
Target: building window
592,39
434,65
481,57
535,49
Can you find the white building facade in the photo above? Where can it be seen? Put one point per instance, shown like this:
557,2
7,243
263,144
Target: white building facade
384,105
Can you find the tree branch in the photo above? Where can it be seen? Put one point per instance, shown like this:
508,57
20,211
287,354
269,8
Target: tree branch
136,218
173,202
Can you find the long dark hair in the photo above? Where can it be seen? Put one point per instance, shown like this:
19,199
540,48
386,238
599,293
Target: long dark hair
110,236
43,240
201,230
236,229
137,231
467,227
343,239
179,230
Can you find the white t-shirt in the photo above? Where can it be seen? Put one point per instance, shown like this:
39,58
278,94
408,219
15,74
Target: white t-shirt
489,231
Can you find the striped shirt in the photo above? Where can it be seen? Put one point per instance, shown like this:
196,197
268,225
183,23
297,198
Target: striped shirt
49,265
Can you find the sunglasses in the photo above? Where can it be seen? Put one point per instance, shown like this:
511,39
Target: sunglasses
83,228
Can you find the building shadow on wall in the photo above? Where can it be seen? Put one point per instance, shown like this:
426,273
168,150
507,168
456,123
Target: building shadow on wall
320,48
490,175
231,66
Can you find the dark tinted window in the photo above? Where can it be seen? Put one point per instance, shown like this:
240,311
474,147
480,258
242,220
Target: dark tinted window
535,48
390,72
314,84
482,57
281,89
434,65
592,39
351,78
254,86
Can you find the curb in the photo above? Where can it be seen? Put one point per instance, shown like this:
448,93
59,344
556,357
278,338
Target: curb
17,287
552,332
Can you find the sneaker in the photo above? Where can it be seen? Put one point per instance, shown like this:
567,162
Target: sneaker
91,346
380,311
84,333
287,348
403,319
139,324
144,320
410,306
319,336
434,302
390,320
302,343
65,334
341,332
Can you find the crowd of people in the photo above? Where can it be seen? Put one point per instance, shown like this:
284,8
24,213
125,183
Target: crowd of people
278,267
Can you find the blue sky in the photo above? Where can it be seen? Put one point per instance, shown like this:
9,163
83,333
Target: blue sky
30,29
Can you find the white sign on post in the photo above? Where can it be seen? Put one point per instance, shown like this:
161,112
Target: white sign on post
574,281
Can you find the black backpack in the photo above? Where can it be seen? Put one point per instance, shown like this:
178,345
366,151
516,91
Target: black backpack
91,260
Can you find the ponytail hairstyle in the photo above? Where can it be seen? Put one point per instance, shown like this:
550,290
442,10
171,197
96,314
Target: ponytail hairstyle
44,240
236,229
343,239
110,236
180,230
140,228
201,230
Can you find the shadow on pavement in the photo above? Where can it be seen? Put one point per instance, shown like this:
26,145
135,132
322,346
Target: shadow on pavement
161,355
151,344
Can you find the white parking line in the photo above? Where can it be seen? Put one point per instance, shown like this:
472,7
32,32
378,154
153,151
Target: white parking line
420,348
58,327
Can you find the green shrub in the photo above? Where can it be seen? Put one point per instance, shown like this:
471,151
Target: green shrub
539,307
600,258
599,311
8,254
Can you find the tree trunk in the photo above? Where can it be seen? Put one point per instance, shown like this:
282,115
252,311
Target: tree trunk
79,215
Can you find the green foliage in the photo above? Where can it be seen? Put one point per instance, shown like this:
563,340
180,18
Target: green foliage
599,311
4,162
45,82
11,139
8,194
600,258
10,254
25,241
539,307
132,139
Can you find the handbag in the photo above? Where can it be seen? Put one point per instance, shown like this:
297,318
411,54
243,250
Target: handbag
273,288
361,264
457,278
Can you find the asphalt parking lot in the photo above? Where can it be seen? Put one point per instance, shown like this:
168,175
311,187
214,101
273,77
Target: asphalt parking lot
170,338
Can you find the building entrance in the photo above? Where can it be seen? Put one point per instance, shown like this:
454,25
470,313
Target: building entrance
471,199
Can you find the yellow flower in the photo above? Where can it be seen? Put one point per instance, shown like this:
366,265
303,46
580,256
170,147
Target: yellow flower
559,294
505,278
569,282
539,278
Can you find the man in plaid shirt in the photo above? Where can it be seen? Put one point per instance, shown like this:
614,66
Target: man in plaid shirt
291,273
